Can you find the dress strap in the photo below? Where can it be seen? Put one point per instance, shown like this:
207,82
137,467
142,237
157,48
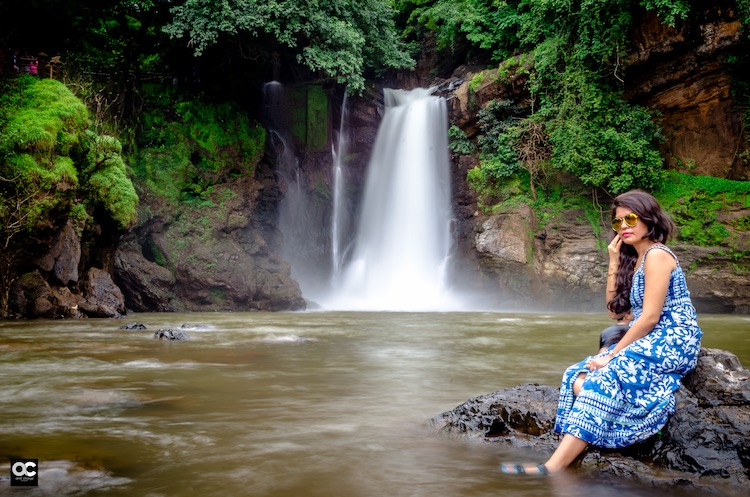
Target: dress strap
662,247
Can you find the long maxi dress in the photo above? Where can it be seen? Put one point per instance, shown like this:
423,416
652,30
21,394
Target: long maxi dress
632,397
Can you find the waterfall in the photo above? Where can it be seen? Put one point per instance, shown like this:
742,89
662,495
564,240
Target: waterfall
403,243
304,244
339,218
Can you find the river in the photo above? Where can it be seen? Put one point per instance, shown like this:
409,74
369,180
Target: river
329,404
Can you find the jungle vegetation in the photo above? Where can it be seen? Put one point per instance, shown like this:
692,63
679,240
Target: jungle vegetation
140,87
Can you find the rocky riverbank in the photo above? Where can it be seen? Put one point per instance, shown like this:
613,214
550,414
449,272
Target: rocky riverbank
705,445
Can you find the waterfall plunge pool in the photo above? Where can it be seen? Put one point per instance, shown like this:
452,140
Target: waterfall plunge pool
286,404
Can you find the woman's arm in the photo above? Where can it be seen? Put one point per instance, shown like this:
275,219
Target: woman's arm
614,263
657,270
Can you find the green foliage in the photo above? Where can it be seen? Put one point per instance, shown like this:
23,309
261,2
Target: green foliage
602,139
338,38
108,183
574,53
498,157
52,169
225,134
694,202
189,146
670,10
459,142
476,81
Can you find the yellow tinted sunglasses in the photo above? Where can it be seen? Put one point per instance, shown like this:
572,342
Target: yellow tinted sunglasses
629,220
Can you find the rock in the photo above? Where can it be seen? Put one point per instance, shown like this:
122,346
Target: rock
705,443
198,258
681,71
98,310
564,267
64,256
169,334
133,326
146,285
101,292
33,297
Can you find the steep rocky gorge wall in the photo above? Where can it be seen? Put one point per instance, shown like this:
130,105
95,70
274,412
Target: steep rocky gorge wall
679,71
230,257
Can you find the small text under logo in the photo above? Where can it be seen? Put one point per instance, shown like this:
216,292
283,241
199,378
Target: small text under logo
24,472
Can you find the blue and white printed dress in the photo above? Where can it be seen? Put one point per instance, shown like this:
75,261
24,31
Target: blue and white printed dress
632,397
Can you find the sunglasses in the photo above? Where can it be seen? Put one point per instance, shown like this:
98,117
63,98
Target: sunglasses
629,220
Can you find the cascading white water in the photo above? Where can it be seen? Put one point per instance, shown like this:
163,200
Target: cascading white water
339,219
403,242
304,241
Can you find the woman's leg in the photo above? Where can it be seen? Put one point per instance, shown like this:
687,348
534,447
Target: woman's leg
570,447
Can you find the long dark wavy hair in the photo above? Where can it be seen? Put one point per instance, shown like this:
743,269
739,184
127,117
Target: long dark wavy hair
660,229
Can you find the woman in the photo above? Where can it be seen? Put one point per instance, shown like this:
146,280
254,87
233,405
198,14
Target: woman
625,395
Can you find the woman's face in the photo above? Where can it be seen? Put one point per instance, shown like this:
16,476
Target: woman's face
631,230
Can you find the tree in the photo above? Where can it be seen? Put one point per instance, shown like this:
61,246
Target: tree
16,216
578,121
340,39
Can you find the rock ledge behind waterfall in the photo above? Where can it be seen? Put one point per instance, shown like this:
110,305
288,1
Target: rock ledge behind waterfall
705,444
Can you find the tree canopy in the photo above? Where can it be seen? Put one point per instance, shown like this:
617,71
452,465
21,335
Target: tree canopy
572,53
343,39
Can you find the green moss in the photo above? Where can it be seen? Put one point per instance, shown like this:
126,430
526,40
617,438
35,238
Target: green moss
695,201
217,296
48,119
297,96
111,188
317,118
476,81
156,254
59,165
190,146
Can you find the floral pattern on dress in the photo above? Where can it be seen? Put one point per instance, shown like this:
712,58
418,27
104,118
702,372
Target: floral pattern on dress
632,397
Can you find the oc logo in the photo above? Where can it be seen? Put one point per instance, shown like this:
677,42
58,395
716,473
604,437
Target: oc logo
24,472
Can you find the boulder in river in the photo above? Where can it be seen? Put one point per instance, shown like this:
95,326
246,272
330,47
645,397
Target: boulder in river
704,445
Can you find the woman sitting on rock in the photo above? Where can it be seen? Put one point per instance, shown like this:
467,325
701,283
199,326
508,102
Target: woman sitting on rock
625,395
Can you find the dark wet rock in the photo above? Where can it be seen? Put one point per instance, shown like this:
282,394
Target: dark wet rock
33,297
146,285
97,310
133,326
229,264
705,444
103,297
64,256
169,334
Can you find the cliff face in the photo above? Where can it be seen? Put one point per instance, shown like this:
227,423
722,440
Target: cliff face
680,71
217,258
229,258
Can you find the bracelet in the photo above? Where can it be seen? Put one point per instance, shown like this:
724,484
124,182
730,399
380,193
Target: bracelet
612,274
611,353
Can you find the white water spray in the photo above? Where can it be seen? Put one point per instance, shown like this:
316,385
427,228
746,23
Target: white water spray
339,219
403,242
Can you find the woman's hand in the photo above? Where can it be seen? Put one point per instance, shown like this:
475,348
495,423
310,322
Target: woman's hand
598,362
614,249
